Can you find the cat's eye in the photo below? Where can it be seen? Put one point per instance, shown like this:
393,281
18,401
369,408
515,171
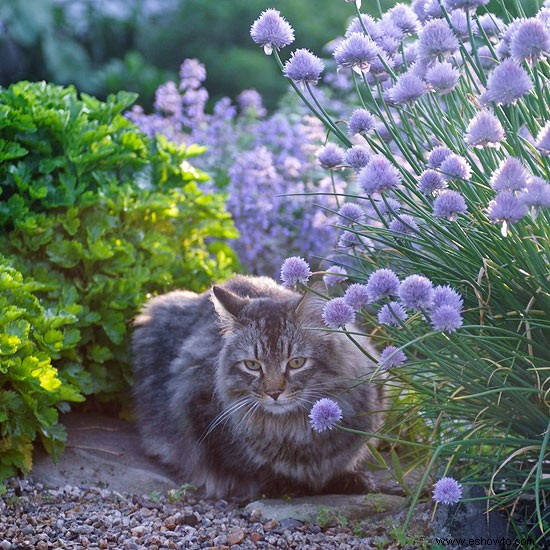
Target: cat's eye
252,365
296,362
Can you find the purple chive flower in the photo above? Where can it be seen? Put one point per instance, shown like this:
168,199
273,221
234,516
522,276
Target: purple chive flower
337,313
507,83
404,18
446,296
446,319
486,58
357,52
442,77
455,167
391,357
271,30
511,175
543,140
449,204
484,130
295,270
537,194
388,206
491,24
356,296
392,314
447,490
303,67
352,213
404,223
361,121
382,283
530,41
334,275
408,87
331,156
464,4
349,239
436,40
437,155
325,414
430,181
379,175
416,292
366,22
357,157
506,209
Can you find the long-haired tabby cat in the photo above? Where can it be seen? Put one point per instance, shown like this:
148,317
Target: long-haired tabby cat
225,381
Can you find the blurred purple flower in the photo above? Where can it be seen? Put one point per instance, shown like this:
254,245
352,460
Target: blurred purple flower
367,23
192,73
168,99
455,167
408,87
442,77
392,314
378,176
542,142
484,130
449,204
250,102
334,275
357,52
405,223
325,414
507,83
271,30
361,121
537,194
437,155
491,24
331,156
391,357
511,175
447,490
303,67
506,209
383,282
446,319
337,313
352,213
430,181
416,292
446,296
357,157
464,4
404,18
530,41
356,296
295,270
436,40
486,57
388,205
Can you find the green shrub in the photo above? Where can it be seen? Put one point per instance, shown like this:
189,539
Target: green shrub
31,337
101,216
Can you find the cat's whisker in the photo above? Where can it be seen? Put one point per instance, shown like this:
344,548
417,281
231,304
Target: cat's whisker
224,416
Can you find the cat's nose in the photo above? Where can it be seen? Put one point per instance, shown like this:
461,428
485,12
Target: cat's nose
274,393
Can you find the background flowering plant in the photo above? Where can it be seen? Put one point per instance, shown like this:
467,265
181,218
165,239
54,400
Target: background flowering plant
446,236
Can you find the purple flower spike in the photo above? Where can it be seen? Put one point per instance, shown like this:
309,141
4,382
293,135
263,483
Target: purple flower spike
543,140
391,357
337,313
455,167
325,414
382,283
352,213
334,275
449,204
530,41
357,296
430,181
295,270
507,83
416,292
446,319
357,52
392,314
361,121
447,490
271,30
511,175
446,296
436,40
379,175
442,77
409,87
484,130
331,156
438,155
303,67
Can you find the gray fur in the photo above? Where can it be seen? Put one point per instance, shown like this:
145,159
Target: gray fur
237,432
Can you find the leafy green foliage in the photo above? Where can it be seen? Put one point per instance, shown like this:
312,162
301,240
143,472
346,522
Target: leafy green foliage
98,216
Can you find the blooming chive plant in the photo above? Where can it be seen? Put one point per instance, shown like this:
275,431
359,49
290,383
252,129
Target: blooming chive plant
443,120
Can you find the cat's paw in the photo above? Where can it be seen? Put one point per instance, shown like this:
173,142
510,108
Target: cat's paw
350,483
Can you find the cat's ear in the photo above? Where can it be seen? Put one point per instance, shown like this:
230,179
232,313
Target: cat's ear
228,305
309,309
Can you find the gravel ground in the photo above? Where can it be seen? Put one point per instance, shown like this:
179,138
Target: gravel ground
73,517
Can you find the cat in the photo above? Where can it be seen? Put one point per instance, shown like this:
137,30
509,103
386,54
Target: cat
225,381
